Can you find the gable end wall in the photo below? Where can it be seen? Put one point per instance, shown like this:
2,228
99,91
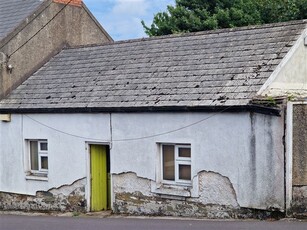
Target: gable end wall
290,77
42,37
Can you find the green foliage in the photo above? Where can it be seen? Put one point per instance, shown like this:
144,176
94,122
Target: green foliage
271,101
291,97
199,15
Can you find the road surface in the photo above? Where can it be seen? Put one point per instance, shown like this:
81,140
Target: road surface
14,222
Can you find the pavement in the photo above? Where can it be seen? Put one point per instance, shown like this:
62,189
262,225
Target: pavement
105,221
109,214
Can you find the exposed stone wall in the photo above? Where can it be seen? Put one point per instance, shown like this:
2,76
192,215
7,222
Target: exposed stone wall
300,145
299,190
299,202
216,199
67,198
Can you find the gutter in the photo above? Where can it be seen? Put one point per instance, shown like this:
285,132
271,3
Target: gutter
274,111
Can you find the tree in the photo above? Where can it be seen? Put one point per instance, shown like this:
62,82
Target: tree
199,15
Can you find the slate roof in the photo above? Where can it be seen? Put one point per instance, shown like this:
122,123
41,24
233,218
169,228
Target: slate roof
205,69
13,12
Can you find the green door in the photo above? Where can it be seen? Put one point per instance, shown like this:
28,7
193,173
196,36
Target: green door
99,178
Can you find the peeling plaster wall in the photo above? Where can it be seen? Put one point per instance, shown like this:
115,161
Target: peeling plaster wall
217,199
66,198
236,159
215,188
140,200
245,148
67,155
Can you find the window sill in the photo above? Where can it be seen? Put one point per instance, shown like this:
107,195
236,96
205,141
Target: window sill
175,191
36,177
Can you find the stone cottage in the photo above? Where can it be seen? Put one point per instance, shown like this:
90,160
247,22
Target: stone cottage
202,124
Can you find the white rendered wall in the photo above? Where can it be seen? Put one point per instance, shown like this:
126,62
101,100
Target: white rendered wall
67,154
246,148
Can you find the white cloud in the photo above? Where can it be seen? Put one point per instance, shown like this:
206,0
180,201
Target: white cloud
122,18
130,8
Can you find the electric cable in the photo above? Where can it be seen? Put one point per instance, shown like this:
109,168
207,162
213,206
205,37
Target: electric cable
43,27
28,23
148,136
135,138
157,134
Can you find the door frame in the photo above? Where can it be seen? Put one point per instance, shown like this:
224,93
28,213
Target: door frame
88,173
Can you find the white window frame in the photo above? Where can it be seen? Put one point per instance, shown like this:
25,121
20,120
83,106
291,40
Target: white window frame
40,155
178,161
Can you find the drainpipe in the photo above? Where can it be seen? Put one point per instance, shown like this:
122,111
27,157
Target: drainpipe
111,132
288,111
285,159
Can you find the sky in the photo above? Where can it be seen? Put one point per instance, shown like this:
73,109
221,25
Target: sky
122,18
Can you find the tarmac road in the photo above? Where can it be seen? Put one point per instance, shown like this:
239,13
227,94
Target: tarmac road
15,222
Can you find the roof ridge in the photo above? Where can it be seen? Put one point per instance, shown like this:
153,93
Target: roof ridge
198,33
189,71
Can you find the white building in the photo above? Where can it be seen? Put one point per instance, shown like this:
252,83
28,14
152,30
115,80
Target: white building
205,124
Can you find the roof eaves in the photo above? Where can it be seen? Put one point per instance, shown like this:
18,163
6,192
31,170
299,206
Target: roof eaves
192,34
216,109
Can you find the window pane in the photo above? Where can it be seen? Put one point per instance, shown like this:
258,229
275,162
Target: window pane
168,162
184,152
185,172
34,155
43,146
44,162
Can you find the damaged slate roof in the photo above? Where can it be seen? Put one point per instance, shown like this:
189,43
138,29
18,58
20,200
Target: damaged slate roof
13,12
205,69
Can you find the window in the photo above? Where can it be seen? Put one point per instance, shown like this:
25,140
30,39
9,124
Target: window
176,163
38,150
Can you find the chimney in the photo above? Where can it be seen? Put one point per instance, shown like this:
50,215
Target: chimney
70,2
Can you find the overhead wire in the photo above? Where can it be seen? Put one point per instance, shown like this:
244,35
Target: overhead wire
147,136
28,23
43,27
135,138
60,131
